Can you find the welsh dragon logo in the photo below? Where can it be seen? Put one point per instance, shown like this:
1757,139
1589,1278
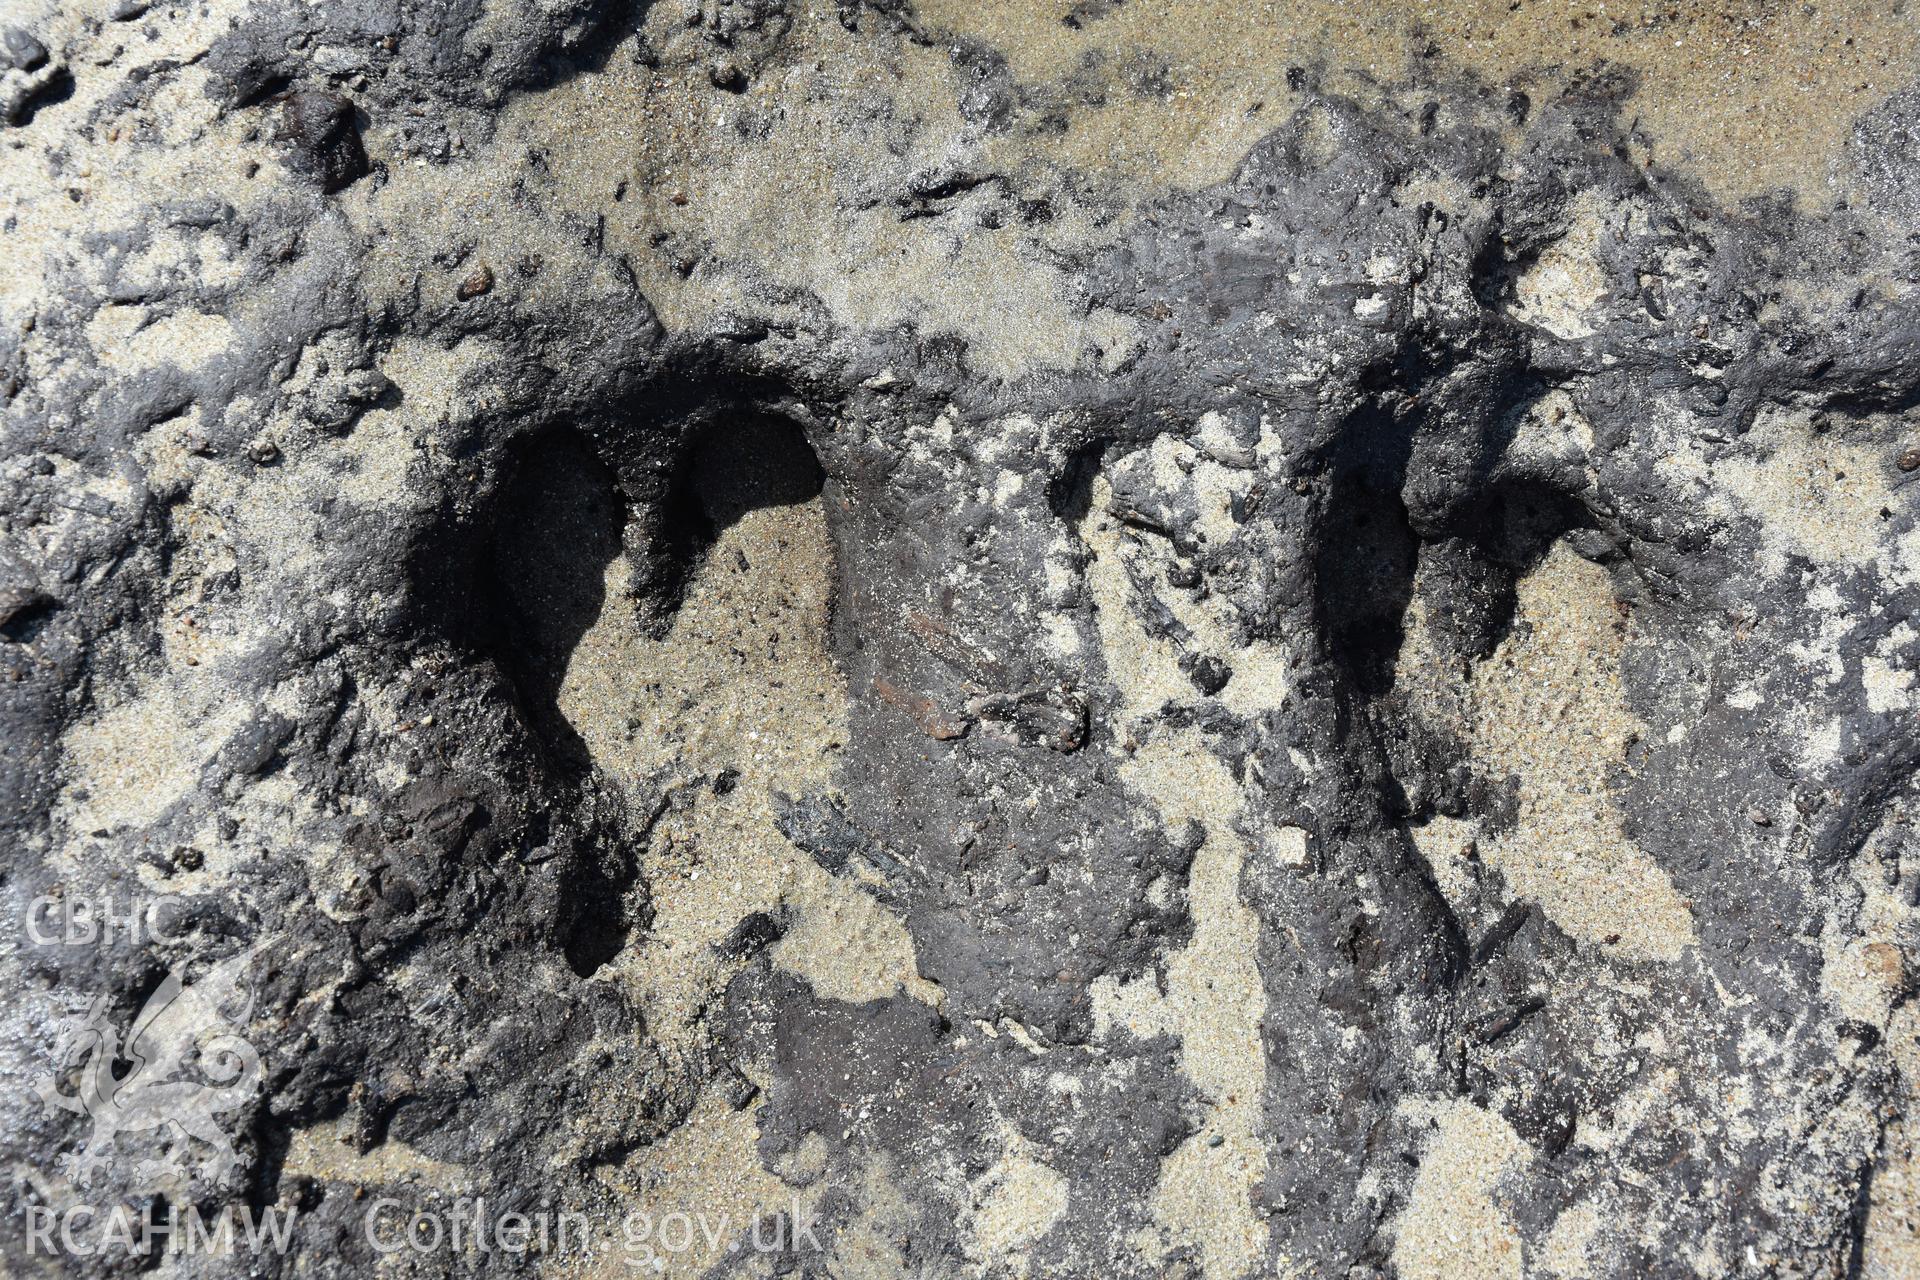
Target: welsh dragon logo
182,1064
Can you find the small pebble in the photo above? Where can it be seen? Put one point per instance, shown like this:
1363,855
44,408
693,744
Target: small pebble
480,282
1759,817
1909,459
1210,675
263,451
19,50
